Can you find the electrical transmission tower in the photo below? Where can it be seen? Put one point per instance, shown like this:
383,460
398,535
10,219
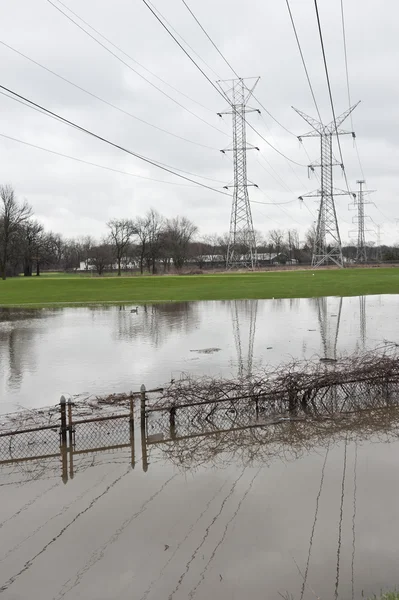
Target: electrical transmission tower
359,202
327,244
242,244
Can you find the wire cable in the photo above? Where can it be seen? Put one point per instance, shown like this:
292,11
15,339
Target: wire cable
61,120
272,203
183,48
210,39
35,62
184,41
86,162
113,144
347,83
134,70
330,92
133,59
213,85
232,68
303,61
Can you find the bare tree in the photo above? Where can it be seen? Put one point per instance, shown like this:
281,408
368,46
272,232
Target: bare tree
101,257
32,242
293,243
12,216
276,237
310,237
120,234
199,251
86,243
180,232
156,239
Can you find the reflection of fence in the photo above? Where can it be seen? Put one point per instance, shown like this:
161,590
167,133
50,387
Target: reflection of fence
69,437
190,433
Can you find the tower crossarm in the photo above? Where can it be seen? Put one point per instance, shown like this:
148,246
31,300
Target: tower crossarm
334,125
316,125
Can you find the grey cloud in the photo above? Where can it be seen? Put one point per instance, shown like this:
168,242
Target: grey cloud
258,40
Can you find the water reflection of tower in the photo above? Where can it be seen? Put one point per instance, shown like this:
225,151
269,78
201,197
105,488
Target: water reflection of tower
362,302
329,324
244,310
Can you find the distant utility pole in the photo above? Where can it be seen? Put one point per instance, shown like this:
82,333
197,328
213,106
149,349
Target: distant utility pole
327,245
359,202
379,242
242,244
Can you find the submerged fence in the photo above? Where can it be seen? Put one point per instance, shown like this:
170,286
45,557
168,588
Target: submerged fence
68,437
193,420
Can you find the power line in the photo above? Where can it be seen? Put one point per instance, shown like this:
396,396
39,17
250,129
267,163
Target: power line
134,70
294,162
330,91
61,120
276,177
303,61
288,163
272,203
210,39
183,48
86,162
235,73
232,68
184,41
347,82
133,59
212,83
35,62
113,144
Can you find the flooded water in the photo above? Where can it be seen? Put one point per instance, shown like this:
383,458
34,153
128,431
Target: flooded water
315,520
102,350
209,507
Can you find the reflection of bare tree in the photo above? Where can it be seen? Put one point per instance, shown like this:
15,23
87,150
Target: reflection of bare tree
283,440
156,322
17,335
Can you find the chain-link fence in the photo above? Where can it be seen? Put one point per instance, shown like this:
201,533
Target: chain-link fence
66,435
34,442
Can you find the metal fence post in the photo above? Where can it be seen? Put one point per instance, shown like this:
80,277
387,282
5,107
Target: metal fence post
70,432
142,406
172,421
63,432
63,440
131,429
143,428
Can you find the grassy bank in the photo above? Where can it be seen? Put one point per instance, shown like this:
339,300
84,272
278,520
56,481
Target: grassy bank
289,284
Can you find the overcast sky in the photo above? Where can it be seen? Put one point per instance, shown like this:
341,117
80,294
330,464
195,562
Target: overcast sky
257,38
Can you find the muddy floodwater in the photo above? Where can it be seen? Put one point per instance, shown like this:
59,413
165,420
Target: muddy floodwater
304,520
102,350
200,506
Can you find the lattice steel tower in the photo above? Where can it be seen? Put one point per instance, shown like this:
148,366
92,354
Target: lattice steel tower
327,245
242,243
359,202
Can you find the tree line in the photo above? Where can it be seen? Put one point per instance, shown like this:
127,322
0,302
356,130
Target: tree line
149,243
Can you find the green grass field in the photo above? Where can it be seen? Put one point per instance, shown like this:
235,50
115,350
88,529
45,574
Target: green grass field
47,290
